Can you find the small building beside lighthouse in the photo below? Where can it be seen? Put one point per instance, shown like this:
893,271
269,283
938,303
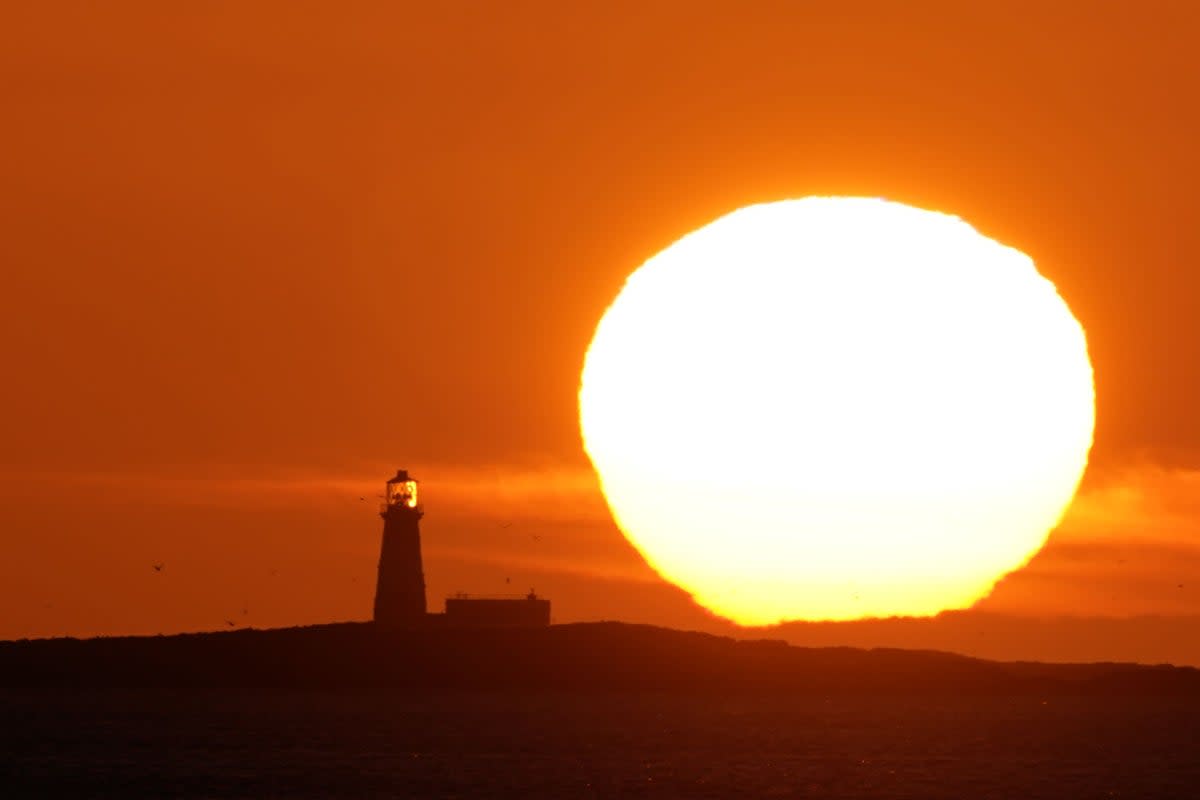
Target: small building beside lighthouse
400,586
521,611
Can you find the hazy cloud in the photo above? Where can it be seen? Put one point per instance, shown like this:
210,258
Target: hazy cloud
1128,545
501,492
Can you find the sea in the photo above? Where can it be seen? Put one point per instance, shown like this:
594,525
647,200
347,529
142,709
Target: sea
411,744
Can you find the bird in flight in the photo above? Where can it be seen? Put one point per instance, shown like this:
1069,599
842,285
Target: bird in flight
231,623
158,566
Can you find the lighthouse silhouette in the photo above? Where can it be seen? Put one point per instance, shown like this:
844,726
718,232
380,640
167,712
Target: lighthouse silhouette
400,587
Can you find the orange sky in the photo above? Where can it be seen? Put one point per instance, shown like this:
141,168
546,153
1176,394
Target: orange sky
257,257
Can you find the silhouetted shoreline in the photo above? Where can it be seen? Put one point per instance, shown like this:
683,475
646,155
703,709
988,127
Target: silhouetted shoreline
577,657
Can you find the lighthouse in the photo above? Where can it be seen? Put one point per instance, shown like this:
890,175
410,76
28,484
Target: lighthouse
400,587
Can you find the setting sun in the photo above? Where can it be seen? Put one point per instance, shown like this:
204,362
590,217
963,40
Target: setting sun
835,408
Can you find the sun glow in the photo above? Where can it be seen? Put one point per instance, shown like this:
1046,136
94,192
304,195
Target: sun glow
835,408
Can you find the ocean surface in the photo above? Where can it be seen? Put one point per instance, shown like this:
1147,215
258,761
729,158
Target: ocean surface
293,744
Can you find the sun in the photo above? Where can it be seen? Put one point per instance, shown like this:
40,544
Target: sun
833,408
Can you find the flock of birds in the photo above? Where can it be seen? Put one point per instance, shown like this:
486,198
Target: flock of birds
159,566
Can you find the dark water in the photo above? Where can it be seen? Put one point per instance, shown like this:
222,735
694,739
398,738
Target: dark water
390,744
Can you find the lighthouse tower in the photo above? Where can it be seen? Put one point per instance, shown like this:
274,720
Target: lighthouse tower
400,588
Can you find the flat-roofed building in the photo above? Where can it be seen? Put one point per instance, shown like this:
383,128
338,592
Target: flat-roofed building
529,611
